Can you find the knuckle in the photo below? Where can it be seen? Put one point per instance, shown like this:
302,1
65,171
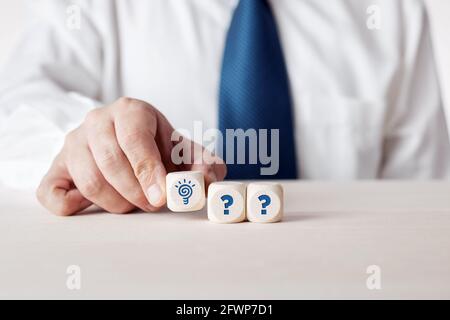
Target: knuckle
143,170
131,105
139,106
91,187
125,101
70,138
108,157
134,138
93,117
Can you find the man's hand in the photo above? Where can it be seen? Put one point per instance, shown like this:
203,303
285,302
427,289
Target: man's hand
117,159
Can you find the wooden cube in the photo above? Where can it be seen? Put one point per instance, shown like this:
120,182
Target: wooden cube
185,191
226,202
264,202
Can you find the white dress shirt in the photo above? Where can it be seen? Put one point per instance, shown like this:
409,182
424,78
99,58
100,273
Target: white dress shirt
367,102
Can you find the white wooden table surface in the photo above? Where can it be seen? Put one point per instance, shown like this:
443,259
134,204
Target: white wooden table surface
331,234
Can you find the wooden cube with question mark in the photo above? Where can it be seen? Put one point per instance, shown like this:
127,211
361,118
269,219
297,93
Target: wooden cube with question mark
264,202
185,191
226,202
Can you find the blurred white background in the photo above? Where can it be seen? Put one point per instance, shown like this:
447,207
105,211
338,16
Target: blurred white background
12,19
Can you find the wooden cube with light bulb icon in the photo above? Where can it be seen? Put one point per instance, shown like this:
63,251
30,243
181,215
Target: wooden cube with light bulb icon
226,202
264,202
185,191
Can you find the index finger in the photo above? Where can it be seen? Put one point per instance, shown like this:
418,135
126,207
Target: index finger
136,125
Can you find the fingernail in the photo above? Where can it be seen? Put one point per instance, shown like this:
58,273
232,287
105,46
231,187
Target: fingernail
154,195
155,192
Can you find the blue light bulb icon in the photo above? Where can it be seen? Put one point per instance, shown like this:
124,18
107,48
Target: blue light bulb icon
185,190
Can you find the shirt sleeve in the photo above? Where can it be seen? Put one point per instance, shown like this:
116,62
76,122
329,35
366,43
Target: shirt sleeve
48,85
416,139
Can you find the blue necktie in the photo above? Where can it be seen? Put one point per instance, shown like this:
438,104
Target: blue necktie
254,88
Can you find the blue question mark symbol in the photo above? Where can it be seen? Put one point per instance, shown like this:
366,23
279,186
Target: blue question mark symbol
265,202
227,202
